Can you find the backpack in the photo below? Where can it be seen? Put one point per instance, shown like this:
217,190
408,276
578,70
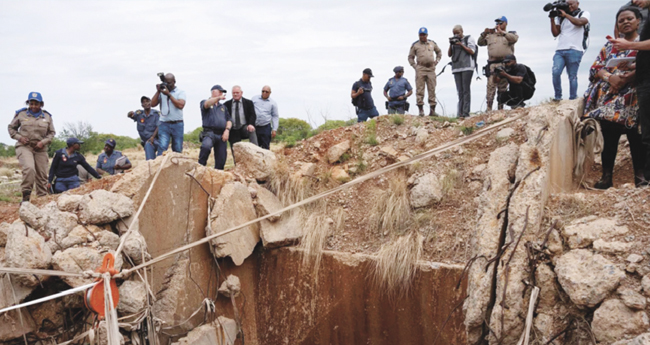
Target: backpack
585,36
355,101
475,55
531,80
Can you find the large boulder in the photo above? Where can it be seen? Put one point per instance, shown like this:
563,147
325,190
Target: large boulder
133,297
69,202
59,224
258,162
285,232
643,339
267,203
80,234
26,248
32,215
13,328
587,277
135,247
335,152
79,260
614,321
233,207
581,233
101,207
426,192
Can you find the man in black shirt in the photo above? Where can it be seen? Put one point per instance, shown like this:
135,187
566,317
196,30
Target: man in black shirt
64,167
520,87
642,86
362,97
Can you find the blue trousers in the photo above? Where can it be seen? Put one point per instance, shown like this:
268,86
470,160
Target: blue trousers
570,59
66,183
264,136
365,114
171,132
210,141
151,151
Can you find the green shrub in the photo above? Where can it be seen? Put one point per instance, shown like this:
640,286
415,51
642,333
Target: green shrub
292,129
397,119
193,136
467,130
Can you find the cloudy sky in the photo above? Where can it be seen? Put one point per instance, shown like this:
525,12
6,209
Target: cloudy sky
93,60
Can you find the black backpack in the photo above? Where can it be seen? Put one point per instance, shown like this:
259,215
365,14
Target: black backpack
531,79
585,36
355,101
475,55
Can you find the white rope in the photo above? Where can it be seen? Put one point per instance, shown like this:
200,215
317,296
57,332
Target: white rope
525,337
359,180
110,313
45,299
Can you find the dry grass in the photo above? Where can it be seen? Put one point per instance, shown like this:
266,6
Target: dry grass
286,187
317,228
396,264
391,212
451,181
6,172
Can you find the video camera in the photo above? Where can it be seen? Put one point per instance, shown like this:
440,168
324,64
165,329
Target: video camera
555,7
163,84
498,70
455,39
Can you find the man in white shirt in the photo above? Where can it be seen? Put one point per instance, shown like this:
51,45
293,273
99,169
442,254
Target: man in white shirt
570,29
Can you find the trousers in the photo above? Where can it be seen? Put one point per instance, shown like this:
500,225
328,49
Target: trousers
463,88
211,140
33,163
425,77
236,135
611,135
66,183
493,86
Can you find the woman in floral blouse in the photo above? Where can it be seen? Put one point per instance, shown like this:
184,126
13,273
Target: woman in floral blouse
611,99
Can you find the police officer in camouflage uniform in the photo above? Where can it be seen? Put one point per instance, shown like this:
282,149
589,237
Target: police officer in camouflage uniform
396,91
499,43
425,69
33,128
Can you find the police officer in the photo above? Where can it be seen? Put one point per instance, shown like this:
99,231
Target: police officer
147,121
64,167
396,91
33,128
499,43
112,161
362,97
216,128
425,69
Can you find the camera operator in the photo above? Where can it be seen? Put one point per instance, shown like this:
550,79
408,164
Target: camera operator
642,6
172,102
362,97
396,91
461,50
425,69
520,84
499,43
569,28
216,128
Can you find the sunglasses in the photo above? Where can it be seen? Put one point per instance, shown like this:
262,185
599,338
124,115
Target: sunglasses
266,91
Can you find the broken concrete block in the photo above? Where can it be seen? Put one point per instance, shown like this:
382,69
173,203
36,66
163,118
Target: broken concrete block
108,239
233,207
101,207
32,216
230,287
26,249
79,260
505,134
613,247
335,152
583,232
426,192
614,321
59,224
587,277
222,332
133,297
136,247
69,202
267,203
256,161
285,232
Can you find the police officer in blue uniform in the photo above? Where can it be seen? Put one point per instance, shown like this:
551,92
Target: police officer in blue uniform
362,97
64,167
112,161
147,121
396,91
216,128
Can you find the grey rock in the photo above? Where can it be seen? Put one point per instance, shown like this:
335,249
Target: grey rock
505,134
614,247
256,161
426,192
645,283
339,174
32,215
108,239
230,287
268,203
13,328
79,260
222,332
614,321
632,299
59,224
4,230
101,207
287,231
634,258
133,297
69,202
643,339
135,247
26,249
587,277
583,232
422,136
335,152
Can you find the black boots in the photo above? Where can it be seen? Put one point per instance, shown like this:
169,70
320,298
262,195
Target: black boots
26,195
421,108
605,181
432,112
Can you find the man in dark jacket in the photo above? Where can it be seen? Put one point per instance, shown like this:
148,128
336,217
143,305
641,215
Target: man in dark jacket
216,128
242,111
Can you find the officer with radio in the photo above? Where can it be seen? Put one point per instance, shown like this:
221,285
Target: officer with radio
396,91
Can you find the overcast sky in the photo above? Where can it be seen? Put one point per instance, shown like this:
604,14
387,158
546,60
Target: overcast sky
93,60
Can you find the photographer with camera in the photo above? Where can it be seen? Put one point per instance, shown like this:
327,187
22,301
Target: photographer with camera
396,91
172,102
521,82
216,128
362,97
425,69
462,50
499,43
571,27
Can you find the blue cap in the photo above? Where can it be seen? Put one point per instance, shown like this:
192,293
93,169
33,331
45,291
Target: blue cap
72,141
110,142
218,87
36,96
423,30
398,69
502,19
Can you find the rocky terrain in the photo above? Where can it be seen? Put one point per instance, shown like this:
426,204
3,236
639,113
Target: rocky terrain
488,242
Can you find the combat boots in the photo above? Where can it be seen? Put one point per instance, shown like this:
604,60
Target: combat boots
432,112
605,181
26,195
421,109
